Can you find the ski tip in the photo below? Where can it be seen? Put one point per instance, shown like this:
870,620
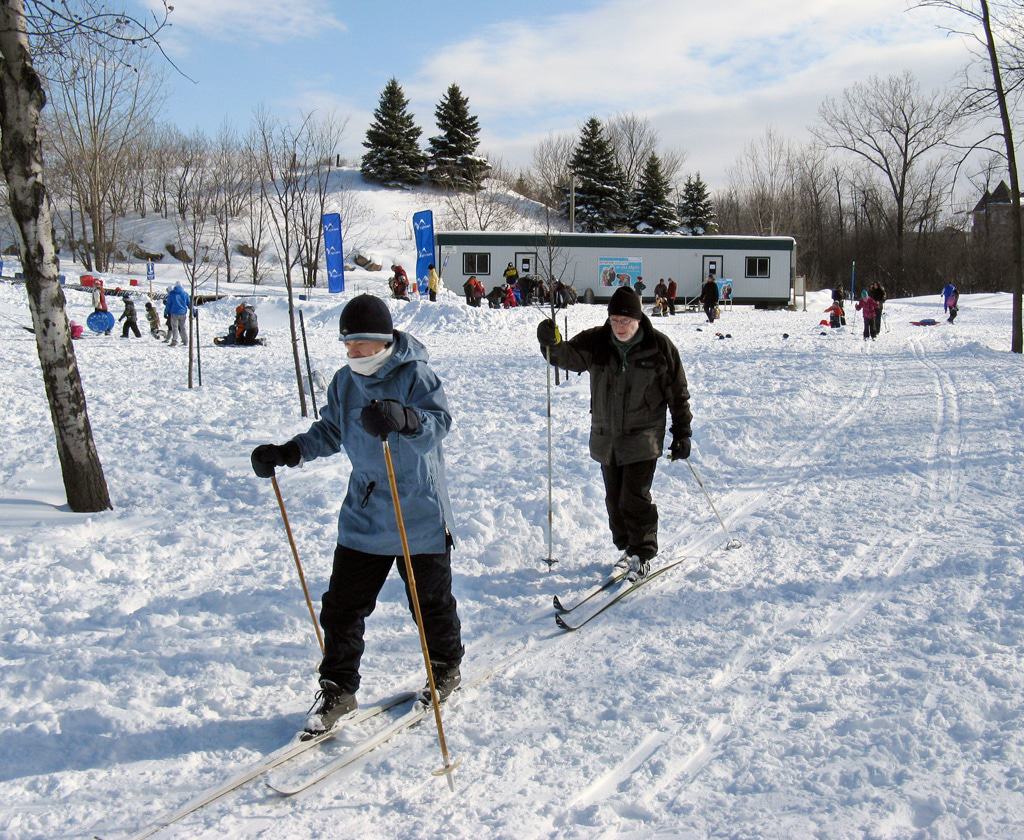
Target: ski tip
733,543
557,604
561,623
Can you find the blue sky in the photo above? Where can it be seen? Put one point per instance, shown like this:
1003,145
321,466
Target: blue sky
711,78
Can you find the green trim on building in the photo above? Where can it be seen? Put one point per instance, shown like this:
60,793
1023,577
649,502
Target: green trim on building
625,241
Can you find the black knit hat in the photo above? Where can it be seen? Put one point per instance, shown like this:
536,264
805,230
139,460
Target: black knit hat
625,302
366,318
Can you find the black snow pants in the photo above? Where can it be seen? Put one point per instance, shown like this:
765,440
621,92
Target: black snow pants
632,516
356,580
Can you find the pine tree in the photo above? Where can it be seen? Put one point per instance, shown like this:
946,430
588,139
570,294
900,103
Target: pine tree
652,209
601,195
696,212
394,156
452,157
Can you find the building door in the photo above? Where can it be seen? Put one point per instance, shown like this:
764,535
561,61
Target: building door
712,264
526,263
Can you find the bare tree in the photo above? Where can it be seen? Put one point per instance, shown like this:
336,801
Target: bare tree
492,207
278,147
22,99
229,187
320,149
550,169
891,126
763,177
634,140
1000,48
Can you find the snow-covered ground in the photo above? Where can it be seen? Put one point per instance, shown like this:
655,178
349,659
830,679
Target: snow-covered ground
852,670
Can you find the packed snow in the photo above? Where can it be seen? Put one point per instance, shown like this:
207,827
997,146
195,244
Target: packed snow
853,669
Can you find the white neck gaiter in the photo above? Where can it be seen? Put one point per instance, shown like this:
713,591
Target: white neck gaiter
369,365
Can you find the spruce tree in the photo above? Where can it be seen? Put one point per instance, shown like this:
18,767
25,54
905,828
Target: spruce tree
394,156
653,210
696,211
601,195
453,161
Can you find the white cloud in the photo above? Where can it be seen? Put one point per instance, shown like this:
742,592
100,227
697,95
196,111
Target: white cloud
265,21
710,76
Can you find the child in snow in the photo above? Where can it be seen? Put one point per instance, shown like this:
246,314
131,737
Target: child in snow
154,320
129,317
387,391
950,301
836,315
868,308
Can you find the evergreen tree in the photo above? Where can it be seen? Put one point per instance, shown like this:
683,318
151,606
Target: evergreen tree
601,195
452,157
653,211
696,211
393,156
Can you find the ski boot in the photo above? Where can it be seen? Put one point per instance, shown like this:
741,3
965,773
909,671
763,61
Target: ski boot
637,568
446,680
331,703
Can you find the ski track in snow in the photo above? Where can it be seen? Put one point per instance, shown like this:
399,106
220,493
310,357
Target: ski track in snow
853,669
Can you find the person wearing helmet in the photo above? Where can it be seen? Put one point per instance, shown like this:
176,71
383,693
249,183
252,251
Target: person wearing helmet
386,391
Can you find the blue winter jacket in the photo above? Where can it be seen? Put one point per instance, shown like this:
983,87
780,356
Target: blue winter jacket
367,518
177,301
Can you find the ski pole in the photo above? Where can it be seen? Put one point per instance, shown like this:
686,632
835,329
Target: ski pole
550,560
309,370
732,542
449,765
298,565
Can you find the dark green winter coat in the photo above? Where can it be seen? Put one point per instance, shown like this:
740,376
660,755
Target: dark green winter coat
629,399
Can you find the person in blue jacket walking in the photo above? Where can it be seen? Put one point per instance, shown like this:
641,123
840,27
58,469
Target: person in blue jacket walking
176,308
386,389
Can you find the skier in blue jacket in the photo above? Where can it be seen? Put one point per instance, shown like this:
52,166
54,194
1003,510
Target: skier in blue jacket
387,389
176,307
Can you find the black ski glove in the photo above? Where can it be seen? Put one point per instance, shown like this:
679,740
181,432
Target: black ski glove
548,334
680,448
268,455
382,417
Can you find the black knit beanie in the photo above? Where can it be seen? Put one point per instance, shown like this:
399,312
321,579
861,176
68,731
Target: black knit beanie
366,318
625,302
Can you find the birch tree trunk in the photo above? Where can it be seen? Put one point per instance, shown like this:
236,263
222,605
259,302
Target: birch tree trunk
21,101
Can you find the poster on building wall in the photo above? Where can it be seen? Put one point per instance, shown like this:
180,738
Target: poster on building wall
619,271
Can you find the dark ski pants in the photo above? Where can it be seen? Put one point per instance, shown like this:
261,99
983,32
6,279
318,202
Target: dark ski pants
129,324
632,516
952,314
709,310
356,581
870,328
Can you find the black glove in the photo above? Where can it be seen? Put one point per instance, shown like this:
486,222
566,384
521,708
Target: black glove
268,455
548,334
382,417
680,448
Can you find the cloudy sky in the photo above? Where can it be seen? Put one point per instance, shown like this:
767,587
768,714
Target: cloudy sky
710,76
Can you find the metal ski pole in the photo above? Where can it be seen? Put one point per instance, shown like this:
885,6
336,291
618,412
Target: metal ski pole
732,541
449,765
550,560
298,565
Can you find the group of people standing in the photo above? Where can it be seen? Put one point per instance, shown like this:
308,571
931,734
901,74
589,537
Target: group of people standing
401,286
177,305
389,397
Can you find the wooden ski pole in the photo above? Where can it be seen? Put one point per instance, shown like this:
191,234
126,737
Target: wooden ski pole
449,765
298,565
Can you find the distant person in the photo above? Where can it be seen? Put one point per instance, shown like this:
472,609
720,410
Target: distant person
433,282
387,391
99,299
877,292
130,318
951,301
839,297
868,308
177,306
670,295
509,301
709,297
474,290
639,286
836,315
154,320
510,274
397,273
660,290
495,297
400,284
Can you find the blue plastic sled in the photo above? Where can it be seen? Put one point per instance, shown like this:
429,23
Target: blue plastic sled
100,322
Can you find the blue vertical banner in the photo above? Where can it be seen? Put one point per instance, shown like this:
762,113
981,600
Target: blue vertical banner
423,230
333,252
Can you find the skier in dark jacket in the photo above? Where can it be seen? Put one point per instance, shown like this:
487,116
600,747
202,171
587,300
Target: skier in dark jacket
130,318
877,291
387,389
635,377
709,297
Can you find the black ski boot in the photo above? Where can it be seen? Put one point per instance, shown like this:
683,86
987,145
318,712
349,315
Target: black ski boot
446,680
331,703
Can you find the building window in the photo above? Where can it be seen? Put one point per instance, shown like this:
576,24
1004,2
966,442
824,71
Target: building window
758,267
476,263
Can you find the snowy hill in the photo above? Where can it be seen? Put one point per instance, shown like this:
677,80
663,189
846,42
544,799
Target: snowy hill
852,670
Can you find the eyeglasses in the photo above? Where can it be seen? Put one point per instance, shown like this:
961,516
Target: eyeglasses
621,320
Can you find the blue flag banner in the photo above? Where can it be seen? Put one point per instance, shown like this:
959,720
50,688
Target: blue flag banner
423,229
333,252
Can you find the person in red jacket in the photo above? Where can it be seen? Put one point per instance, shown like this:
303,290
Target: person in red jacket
836,315
868,307
672,291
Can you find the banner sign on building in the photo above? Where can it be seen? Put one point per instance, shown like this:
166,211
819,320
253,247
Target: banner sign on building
333,253
619,271
423,230
150,271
